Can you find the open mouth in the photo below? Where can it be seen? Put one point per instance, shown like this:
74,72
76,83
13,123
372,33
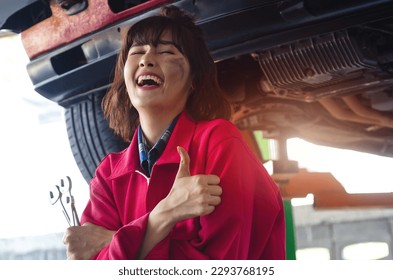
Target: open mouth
149,80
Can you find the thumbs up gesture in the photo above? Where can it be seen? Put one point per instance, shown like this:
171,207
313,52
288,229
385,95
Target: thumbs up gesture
191,196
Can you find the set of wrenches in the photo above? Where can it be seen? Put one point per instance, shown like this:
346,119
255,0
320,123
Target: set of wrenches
64,197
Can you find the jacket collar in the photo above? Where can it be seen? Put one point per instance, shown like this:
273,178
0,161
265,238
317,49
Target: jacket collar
181,136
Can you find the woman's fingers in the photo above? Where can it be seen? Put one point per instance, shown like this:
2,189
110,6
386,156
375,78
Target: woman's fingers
215,190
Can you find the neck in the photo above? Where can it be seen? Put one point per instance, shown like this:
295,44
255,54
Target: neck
154,125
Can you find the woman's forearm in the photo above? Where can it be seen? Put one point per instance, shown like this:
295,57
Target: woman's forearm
158,227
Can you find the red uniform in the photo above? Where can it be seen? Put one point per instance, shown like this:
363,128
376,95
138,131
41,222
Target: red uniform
247,224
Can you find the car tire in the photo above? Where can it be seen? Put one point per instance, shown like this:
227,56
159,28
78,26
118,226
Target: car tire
89,134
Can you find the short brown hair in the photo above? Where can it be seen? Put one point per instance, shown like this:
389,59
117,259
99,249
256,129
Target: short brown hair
207,100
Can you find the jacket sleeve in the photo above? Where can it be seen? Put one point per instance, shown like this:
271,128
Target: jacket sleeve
248,223
101,210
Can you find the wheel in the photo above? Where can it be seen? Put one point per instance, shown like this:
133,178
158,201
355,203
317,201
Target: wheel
89,135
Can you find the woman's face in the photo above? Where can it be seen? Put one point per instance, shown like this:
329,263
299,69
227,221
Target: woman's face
158,77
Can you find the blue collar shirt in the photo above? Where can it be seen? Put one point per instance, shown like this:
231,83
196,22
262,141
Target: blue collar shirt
148,156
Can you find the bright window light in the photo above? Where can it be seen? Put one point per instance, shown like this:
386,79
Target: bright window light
366,251
357,172
315,253
308,200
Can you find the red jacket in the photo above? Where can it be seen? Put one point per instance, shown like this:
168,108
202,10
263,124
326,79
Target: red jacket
247,224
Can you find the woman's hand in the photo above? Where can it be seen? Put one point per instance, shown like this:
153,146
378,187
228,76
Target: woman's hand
84,242
190,197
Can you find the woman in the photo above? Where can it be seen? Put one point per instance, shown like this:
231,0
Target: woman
187,187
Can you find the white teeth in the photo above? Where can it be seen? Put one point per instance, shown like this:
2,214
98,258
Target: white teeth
149,77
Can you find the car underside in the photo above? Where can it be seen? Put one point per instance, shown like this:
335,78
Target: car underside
314,69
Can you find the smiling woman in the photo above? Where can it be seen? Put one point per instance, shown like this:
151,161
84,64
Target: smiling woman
186,40
171,193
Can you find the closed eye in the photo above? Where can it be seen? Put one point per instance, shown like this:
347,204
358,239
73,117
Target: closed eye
137,53
137,50
166,52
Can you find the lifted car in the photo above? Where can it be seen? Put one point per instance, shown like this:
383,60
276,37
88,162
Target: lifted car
314,69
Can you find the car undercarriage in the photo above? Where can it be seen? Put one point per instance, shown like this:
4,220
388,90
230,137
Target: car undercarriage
318,70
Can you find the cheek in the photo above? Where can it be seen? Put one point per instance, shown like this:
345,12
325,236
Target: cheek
180,68
128,73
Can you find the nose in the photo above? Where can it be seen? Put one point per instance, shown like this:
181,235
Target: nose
147,60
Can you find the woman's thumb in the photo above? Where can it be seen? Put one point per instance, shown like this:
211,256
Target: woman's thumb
184,166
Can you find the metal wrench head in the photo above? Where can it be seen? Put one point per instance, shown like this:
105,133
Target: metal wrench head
53,198
66,189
